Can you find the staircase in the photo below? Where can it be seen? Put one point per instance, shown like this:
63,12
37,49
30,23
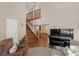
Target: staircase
31,35
35,40
32,28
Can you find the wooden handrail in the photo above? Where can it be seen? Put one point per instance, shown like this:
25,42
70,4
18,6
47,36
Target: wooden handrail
33,29
33,26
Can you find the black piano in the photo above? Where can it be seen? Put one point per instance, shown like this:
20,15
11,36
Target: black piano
60,37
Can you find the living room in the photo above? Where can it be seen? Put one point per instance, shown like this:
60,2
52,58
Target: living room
48,15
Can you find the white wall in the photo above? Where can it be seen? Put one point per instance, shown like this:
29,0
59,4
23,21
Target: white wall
61,15
15,11
3,9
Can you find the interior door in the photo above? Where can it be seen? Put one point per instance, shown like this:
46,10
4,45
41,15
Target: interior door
12,29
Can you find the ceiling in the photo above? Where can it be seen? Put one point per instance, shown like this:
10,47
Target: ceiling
30,5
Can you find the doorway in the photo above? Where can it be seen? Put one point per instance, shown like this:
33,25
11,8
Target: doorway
12,29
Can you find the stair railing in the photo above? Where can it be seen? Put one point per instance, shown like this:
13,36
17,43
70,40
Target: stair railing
33,28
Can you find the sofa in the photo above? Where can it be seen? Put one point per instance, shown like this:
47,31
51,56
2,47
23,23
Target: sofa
6,45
